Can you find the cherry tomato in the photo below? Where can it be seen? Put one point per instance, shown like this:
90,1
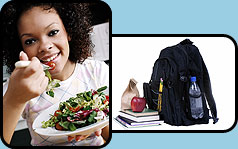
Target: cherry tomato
107,100
56,112
94,92
70,138
58,127
51,64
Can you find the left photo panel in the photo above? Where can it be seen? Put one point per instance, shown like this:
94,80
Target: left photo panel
56,73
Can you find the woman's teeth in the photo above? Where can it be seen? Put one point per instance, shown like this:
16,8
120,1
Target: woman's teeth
51,58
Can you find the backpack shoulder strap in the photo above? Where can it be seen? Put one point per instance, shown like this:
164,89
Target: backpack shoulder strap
206,83
208,93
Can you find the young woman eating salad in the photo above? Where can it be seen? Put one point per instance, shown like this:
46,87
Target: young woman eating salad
54,34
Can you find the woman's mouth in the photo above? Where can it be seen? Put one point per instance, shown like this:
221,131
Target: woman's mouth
50,58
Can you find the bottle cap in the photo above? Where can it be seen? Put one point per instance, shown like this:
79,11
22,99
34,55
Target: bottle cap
193,79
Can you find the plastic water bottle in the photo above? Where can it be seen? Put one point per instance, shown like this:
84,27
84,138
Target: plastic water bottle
195,98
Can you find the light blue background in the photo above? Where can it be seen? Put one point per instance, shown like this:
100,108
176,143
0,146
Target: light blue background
173,17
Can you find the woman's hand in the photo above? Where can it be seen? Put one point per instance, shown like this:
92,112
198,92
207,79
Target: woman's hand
27,83
82,137
24,84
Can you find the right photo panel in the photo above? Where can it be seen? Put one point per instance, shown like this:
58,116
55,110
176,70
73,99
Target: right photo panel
181,83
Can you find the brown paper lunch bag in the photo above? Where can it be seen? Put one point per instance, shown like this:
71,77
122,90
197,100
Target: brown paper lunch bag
130,92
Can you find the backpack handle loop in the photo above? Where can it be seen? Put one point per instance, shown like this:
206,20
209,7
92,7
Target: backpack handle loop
183,78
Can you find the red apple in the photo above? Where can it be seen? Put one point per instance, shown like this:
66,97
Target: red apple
138,104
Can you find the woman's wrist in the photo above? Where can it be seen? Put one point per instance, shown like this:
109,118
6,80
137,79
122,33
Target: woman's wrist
11,101
12,109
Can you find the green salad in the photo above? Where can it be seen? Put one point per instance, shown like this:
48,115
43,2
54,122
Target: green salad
86,108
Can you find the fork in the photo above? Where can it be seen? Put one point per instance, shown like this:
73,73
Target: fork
22,64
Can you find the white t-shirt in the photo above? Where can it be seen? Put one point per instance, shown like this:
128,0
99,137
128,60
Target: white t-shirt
92,74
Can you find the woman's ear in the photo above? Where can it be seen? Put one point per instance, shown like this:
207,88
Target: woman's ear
69,38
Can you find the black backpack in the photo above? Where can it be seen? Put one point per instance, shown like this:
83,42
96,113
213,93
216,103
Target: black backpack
176,65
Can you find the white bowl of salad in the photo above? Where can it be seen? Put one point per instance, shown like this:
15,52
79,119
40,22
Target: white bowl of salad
80,115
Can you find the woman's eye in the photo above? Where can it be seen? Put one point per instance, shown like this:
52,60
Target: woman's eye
53,32
29,41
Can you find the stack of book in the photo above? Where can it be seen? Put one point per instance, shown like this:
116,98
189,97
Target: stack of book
130,119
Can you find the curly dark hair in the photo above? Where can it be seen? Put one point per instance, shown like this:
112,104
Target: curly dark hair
76,18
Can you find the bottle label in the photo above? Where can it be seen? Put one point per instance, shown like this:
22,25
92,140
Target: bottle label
196,107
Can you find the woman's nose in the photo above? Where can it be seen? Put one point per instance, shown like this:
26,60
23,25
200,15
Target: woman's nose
45,45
